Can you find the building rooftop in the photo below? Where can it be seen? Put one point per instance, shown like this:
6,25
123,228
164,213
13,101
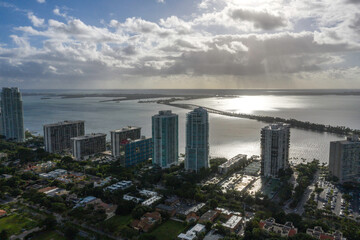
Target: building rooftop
148,193
350,140
119,185
212,235
125,129
198,110
232,222
319,233
227,212
193,232
135,140
2,212
165,207
233,160
66,122
287,229
276,126
91,135
85,201
151,200
209,216
165,113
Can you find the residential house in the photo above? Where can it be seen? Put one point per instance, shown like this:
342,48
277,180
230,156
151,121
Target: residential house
233,224
318,233
193,233
3,213
165,208
209,216
285,230
192,217
147,221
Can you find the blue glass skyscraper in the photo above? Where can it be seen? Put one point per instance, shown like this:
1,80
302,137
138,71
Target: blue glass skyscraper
197,140
165,139
12,114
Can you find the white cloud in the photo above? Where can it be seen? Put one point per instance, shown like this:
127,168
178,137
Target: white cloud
37,22
160,1
40,1
224,42
57,12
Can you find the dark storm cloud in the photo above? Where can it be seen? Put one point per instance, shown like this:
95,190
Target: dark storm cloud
262,20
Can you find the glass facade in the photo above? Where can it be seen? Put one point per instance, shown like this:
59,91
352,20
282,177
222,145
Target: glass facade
165,139
12,114
197,140
135,152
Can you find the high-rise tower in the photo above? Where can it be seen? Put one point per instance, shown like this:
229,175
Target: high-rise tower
197,140
344,159
12,114
57,136
123,134
165,139
275,144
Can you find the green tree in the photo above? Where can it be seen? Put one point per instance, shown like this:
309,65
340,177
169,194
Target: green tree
70,232
49,223
4,235
213,203
125,207
127,232
139,211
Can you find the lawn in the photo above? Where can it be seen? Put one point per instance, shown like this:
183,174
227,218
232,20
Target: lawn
50,235
13,224
168,230
115,223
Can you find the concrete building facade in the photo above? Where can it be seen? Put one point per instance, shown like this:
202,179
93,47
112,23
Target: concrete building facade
197,140
232,163
57,136
123,134
275,144
12,118
344,159
165,139
88,145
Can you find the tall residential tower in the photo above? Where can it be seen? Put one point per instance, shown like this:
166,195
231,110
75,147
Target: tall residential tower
57,136
165,139
275,144
123,134
12,114
197,140
344,159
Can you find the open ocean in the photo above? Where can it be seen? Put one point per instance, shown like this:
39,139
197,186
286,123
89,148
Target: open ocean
228,136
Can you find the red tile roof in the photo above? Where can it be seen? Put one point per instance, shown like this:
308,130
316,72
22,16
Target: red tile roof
2,212
292,232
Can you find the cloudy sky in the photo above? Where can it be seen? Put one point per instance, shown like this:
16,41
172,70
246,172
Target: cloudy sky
180,44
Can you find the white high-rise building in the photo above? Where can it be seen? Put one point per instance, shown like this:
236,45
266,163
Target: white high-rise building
275,144
12,114
165,139
344,159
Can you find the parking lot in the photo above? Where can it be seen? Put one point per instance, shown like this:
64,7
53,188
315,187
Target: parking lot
335,199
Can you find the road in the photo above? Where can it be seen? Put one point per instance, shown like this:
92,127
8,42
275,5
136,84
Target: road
300,207
25,233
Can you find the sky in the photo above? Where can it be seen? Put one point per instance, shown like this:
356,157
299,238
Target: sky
119,44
